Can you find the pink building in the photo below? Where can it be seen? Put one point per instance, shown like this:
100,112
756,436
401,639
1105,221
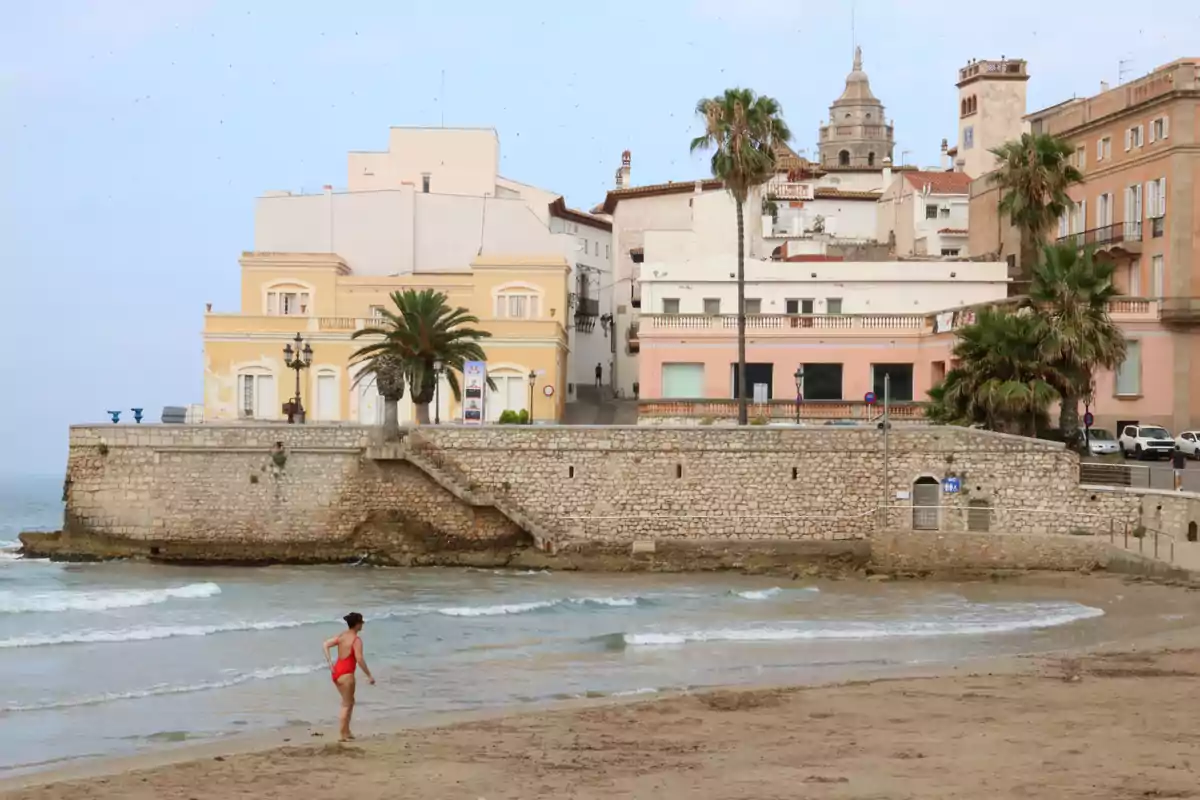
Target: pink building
688,362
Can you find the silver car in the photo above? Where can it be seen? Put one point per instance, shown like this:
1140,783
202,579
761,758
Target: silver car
1100,442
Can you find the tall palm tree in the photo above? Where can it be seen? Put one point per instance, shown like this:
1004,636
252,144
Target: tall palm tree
1033,175
422,329
1004,380
1072,291
742,129
388,371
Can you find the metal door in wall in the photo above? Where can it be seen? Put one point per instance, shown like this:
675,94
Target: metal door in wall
926,496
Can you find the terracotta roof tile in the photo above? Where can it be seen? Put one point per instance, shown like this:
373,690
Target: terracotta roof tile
829,193
954,231
940,182
559,209
654,190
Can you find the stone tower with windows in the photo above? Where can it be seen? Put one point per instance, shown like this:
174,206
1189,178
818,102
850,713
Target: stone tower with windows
991,111
857,135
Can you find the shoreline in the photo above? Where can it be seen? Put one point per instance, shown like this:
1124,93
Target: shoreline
86,777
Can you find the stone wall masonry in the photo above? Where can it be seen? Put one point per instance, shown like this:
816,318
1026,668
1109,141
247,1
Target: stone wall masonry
938,552
215,486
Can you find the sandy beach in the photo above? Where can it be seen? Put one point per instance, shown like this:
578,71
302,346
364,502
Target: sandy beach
1111,724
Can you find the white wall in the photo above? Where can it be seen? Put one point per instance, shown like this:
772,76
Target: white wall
895,287
588,250
458,161
844,219
927,229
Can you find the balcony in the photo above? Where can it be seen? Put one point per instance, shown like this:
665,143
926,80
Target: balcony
1125,236
811,411
336,328
635,344
769,325
1181,310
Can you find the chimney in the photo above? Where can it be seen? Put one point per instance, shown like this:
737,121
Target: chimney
945,161
623,172
887,173
1103,86
960,165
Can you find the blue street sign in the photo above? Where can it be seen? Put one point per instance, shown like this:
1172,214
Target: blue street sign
951,485
869,398
1088,419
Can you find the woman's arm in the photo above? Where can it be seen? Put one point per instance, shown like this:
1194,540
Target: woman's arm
328,644
362,662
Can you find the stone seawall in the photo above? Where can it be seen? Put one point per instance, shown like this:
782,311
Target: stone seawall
589,495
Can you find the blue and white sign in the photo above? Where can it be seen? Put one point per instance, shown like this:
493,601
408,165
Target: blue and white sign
869,398
951,485
1089,420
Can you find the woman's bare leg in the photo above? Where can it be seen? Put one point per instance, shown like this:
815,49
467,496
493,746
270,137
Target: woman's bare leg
345,687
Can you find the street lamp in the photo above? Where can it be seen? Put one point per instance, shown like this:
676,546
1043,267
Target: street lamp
799,376
532,381
438,366
298,358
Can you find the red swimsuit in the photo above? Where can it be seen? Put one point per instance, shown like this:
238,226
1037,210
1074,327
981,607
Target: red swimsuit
347,665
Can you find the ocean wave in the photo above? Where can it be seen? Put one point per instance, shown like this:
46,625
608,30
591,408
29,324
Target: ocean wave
167,689
150,633
976,624
539,605
12,602
759,594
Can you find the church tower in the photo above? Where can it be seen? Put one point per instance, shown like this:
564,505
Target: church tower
857,135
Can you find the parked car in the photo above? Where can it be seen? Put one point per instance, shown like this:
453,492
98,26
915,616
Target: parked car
1099,442
1146,441
1188,443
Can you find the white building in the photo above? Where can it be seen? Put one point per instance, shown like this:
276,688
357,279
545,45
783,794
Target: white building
925,214
434,201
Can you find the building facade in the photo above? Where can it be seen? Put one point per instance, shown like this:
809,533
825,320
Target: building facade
429,212
926,214
991,111
857,134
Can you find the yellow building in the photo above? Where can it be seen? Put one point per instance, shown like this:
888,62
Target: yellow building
522,301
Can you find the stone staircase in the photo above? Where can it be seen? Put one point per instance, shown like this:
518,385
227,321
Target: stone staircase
445,472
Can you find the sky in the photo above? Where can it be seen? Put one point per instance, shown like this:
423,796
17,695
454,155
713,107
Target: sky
135,134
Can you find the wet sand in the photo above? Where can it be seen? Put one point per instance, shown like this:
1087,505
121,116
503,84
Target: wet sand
1112,724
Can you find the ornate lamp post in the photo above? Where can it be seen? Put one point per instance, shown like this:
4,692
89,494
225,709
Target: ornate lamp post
532,381
298,359
799,376
438,367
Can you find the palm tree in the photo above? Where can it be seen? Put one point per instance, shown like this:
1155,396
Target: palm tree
1004,380
1072,291
388,371
1034,175
422,330
742,129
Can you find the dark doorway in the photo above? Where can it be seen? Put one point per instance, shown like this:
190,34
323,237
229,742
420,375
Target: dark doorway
927,493
1191,534
901,388
755,374
822,381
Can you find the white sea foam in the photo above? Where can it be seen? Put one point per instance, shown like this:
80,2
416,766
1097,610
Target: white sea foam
12,602
497,610
148,633
974,624
759,594
166,689
634,692
615,602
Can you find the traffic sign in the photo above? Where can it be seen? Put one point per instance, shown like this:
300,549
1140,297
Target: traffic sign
1088,419
548,391
869,398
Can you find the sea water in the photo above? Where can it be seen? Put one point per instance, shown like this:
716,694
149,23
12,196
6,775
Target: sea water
108,659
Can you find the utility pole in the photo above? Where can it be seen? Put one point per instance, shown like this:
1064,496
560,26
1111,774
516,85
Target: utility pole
887,424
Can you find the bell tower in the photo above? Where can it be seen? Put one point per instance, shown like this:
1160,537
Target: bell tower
991,110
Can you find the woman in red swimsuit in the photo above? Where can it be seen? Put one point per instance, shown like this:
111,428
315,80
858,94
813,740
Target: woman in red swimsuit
350,657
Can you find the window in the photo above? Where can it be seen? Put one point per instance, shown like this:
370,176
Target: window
1159,129
377,312
951,251
683,381
1133,137
670,305
583,244
712,306
931,212
256,395
1156,198
968,137
1104,210
606,251
1134,278
901,381
1104,148
328,407
844,158
1080,157
288,303
833,305
753,305
799,306
425,182
1133,205
1129,374
597,248
1156,276
870,159
517,304
944,212
822,382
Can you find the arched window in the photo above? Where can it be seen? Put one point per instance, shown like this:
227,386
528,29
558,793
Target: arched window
965,105
870,159
511,392
844,158
326,403
288,299
517,301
